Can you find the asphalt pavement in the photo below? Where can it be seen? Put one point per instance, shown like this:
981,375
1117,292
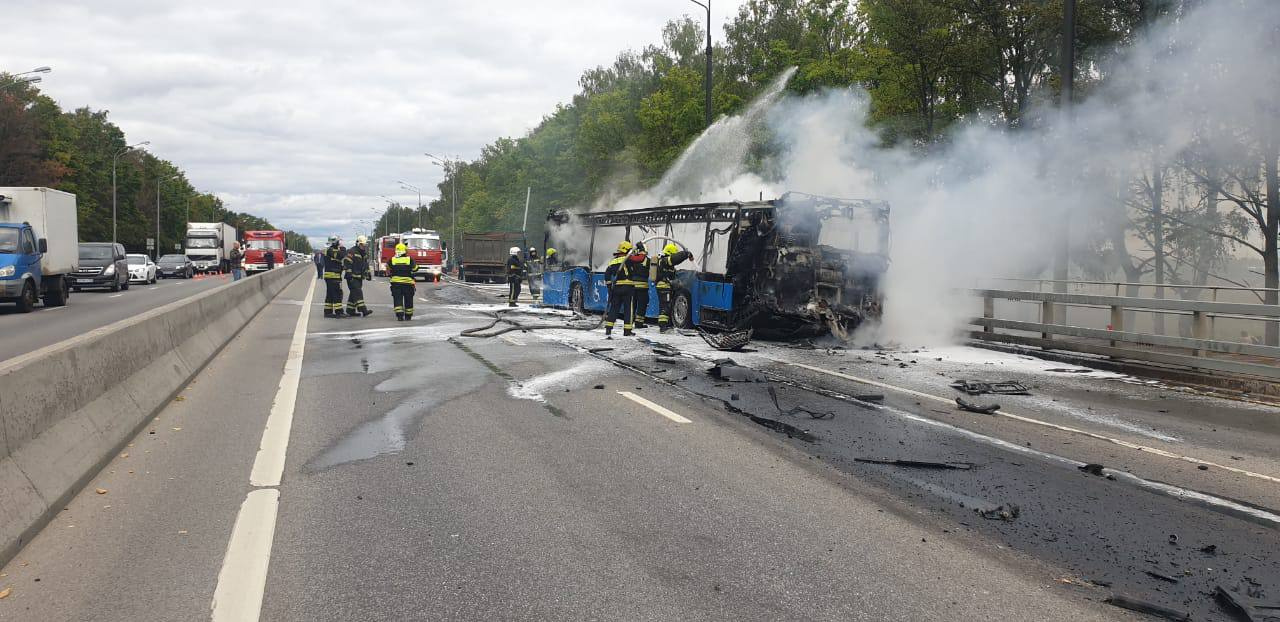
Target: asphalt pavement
90,309
557,475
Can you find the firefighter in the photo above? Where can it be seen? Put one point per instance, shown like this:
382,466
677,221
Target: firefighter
552,261
401,269
515,274
639,284
355,267
333,257
671,257
617,278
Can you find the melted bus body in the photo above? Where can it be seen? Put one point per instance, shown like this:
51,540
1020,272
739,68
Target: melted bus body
797,264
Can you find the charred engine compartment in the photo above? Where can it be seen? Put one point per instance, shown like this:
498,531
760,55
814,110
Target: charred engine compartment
797,284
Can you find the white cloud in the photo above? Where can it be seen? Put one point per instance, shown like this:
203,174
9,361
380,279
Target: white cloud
305,112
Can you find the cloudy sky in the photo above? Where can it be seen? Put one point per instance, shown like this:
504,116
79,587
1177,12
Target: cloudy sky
305,112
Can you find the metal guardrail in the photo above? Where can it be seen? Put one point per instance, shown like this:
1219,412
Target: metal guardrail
1200,351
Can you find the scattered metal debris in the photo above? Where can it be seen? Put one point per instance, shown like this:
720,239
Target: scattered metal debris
1142,606
727,341
773,395
975,387
920,464
667,360
988,409
1001,512
1163,577
1234,604
728,370
599,350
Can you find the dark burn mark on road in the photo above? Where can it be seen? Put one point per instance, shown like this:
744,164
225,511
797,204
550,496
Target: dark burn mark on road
501,373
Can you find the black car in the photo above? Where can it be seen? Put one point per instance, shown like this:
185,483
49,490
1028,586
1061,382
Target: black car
102,264
175,266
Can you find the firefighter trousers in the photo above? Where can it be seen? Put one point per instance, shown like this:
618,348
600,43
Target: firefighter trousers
513,290
640,304
332,297
664,307
620,306
402,299
355,295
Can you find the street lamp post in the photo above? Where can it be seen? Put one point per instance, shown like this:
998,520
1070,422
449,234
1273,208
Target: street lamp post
391,204
707,78
159,181
30,79
450,169
114,160
419,191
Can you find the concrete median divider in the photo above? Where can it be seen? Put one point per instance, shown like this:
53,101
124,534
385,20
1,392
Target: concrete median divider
65,410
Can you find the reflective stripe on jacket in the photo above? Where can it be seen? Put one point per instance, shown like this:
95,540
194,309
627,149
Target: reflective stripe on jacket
401,270
333,257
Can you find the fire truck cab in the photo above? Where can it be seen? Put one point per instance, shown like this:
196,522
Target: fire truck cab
386,250
427,250
259,244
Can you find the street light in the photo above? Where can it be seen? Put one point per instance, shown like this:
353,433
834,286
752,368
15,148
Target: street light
419,191
115,159
30,79
450,169
159,181
707,79
395,206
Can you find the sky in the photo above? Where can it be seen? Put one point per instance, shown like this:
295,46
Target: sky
305,112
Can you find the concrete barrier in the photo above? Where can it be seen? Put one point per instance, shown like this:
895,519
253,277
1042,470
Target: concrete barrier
65,410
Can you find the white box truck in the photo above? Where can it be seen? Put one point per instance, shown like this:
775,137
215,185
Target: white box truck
208,245
39,246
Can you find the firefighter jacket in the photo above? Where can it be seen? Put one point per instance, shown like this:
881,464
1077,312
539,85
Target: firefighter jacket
515,268
611,270
356,264
634,271
667,267
401,270
333,257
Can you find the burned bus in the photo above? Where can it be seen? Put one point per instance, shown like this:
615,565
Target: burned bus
798,264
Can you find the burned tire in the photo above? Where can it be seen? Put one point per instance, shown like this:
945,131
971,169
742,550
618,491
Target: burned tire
681,309
576,300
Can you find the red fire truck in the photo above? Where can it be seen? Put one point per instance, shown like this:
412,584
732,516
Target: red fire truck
386,250
428,252
259,244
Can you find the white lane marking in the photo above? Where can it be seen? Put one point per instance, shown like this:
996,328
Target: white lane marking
55,308
1123,443
115,295
654,407
243,578
268,466
153,288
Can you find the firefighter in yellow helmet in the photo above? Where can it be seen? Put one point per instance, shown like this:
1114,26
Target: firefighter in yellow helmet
617,277
355,267
332,262
552,261
401,269
671,257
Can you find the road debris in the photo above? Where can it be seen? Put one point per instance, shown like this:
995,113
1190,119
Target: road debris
988,409
1092,469
726,341
1234,604
1163,577
728,370
1001,512
1142,606
773,395
920,464
101,491
5,593
976,387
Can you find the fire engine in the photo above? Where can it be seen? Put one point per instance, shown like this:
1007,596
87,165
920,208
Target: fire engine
427,250
258,244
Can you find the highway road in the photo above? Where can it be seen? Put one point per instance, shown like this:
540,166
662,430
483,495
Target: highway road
364,469
90,309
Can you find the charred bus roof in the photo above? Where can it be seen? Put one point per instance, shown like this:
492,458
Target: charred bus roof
728,211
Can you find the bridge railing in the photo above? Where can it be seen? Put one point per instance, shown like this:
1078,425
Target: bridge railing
1106,325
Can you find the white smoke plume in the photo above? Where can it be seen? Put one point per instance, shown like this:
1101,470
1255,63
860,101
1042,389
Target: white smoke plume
992,201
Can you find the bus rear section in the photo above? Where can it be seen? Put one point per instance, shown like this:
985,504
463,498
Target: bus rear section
258,245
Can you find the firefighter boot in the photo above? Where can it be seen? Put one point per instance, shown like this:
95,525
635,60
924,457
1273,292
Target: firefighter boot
366,312
627,332
608,332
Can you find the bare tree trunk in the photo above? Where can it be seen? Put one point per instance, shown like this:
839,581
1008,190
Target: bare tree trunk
1157,222
1271,233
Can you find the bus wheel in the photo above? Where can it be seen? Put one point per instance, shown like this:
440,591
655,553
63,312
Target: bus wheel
681,310
576,301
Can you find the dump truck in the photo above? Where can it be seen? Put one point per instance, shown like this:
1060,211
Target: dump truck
484,255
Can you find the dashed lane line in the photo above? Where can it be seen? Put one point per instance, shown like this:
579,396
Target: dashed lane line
1064,428
654,407
242,581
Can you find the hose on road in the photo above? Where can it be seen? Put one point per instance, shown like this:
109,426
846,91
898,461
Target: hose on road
499,317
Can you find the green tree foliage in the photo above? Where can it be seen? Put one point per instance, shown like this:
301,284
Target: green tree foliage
41,145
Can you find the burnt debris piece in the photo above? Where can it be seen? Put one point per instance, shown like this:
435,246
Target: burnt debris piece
976,387
987,409
773,395
1142,606
919,464
1237,605
728,370
730,341
1003,512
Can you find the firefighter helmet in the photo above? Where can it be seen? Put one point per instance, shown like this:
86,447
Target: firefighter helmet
670,249
550,252
401,248
334,239
360,239
515,250
624,246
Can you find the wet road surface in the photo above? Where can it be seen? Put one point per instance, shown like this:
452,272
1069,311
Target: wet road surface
431,476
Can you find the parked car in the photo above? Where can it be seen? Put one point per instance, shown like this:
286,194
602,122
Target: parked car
141,269
101,264
175,266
